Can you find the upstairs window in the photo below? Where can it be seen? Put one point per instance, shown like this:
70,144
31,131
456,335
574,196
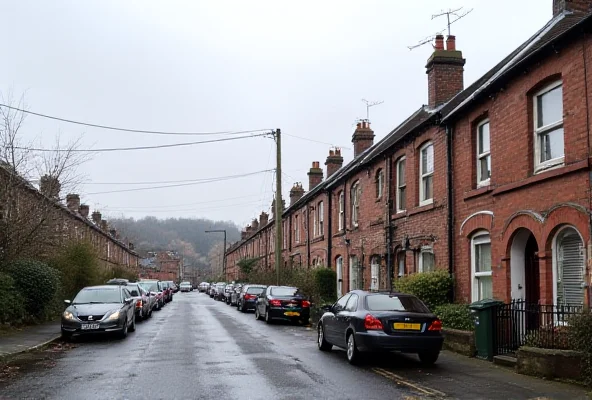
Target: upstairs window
321,212
483,154
401,186
426,173
341,223
379,183
296,230
548,126
355,203
315,230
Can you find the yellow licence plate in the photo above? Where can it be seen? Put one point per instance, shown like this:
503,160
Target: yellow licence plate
292,314
406,327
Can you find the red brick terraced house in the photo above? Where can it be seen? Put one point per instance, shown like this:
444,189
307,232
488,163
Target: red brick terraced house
490,182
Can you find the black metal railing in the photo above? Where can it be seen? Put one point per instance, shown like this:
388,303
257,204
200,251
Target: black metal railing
520,323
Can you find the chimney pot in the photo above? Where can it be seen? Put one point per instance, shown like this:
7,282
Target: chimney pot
315,175
334,161
451,43
439,42
296,193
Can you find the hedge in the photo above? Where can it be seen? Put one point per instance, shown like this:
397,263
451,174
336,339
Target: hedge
433,288
38,284
12,310
455,316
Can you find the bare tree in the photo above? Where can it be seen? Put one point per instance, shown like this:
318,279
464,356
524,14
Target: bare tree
30,220
215,260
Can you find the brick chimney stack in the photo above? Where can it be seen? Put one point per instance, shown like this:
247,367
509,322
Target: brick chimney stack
84,209
73,202
445,69
113,232
96,217
560,6
243,235
363,137
263,219
334,161
296,193
273,207
255,225
315,175
104,225
50,187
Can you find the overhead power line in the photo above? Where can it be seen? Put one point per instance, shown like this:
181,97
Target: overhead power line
160,146
162,206
317,141
210,180
114,128
186,209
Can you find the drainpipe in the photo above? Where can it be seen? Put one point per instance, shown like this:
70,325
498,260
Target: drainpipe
589,252
308,235
389,233
449,133
329,228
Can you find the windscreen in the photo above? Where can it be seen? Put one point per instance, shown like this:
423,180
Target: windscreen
384,302
97,295
284,291
255,290
149,286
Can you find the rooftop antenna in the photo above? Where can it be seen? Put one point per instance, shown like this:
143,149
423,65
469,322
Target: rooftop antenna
457,14
370,104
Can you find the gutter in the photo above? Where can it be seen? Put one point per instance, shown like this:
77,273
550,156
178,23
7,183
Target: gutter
450,217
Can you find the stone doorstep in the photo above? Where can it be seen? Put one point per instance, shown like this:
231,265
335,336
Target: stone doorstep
505,361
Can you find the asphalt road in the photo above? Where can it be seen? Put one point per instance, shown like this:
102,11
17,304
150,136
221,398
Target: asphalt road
198,348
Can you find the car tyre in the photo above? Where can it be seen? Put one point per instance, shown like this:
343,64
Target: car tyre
133,325
267,319
353,354
149,314
321,342
123,333
429,358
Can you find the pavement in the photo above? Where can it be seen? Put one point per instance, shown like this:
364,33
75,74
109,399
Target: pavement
198,348
29,338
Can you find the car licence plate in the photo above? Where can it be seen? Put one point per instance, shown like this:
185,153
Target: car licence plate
400,326
86,327
292,314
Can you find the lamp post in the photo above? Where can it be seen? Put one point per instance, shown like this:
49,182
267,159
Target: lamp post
224,251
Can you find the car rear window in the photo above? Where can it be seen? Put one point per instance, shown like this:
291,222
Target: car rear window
284,291
255,290
383,302
150,286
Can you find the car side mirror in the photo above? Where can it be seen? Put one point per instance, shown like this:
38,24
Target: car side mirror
67,302
327,307
128,301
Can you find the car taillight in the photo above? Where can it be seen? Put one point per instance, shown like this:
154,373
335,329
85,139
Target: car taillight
275,303
305,303
372,323
139,304
435,326
249,296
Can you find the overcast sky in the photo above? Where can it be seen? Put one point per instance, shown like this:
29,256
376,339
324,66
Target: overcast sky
207,66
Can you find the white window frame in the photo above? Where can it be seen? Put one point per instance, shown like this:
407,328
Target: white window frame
424,250
379,183
481,237
341,222
538,131
321,217
424,175
355,204
401,188
296,230
487,154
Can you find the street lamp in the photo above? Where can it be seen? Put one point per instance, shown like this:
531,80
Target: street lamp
224,252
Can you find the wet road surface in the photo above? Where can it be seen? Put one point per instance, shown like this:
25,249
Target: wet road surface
198,348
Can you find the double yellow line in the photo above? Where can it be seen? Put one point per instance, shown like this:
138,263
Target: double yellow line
402,381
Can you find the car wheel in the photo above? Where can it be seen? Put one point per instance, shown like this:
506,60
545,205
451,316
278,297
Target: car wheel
238,307
123,333
321,342
353,354
133,325
67,336
429,358
267,319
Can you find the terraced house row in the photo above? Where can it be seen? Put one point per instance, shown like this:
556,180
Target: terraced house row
490,182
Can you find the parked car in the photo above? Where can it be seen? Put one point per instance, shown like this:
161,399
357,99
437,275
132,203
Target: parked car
155,289
247,298
168,291
235,294
212,290
363,322
143,302
203,287
219,291
118,281
173,287
99,309
185,286
228,289
282,303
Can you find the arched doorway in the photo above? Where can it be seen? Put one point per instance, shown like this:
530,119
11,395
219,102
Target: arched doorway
524,267
568,267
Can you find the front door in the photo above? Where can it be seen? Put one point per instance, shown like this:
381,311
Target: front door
532,283
374,270
339,267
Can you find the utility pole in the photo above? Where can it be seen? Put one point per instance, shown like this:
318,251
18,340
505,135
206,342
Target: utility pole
278,204
223,251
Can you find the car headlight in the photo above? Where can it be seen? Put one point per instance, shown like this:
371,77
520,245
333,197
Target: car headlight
113,316
69,316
